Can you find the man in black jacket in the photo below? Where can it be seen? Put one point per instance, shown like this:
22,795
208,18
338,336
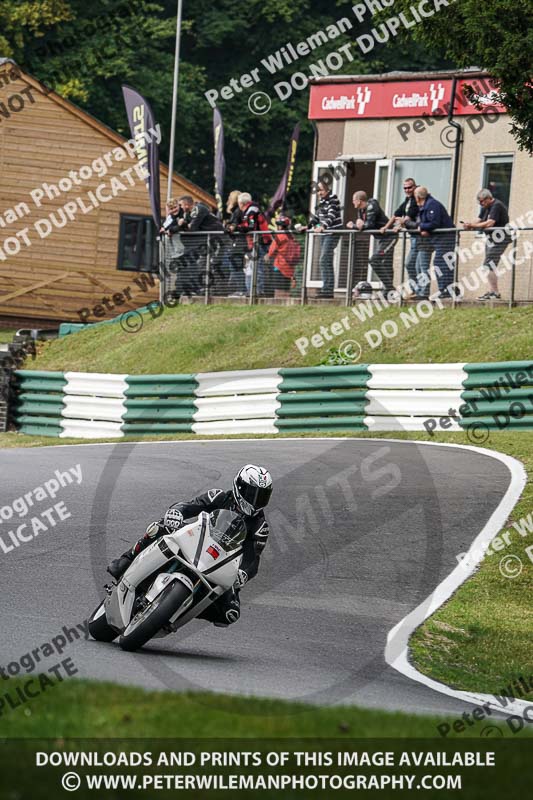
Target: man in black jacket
252,489
371,217
198,218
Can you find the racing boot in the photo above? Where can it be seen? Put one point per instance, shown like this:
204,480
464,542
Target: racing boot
230,610
118,567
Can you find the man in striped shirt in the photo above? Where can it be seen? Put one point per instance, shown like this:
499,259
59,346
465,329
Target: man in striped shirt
328,215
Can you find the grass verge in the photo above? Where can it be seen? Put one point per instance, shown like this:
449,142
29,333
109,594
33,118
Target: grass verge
110,710
482,638
194,338
6,335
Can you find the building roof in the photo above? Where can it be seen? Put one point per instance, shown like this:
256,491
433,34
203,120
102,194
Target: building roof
443,74
95,123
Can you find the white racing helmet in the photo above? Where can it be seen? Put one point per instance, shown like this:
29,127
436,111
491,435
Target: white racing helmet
252,488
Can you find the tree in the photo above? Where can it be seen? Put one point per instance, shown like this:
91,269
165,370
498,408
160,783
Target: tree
21,23
497,36
86,51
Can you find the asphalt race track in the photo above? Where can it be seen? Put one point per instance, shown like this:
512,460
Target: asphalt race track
362,532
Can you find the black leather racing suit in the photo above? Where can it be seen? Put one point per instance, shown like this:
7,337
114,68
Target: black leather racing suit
226,609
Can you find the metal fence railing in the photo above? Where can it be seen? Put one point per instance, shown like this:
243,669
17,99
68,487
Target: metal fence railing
313,267
246,267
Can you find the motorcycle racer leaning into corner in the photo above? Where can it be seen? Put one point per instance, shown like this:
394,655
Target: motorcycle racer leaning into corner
252,489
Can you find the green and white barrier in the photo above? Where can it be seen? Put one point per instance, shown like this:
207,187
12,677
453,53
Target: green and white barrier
159,404
40,402
363,397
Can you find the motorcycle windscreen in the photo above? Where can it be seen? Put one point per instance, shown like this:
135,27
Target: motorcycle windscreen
221,556
227,529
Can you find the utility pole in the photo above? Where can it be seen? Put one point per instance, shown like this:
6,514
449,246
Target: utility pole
174,100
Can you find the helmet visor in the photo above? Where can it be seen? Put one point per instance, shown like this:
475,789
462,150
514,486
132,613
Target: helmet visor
256,496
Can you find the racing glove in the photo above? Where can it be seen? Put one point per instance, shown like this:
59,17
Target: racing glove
173,519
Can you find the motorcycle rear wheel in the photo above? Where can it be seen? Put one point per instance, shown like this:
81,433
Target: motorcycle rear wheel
148,622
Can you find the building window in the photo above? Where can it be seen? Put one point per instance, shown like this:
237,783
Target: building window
435,173
497,175
138,248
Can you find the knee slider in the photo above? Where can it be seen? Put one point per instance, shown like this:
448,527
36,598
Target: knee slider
232,615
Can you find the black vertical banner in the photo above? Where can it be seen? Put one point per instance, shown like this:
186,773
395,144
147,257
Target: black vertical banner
146,137
220,161
285,184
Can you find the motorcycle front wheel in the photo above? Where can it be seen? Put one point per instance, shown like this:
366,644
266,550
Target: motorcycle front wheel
98,627
149,621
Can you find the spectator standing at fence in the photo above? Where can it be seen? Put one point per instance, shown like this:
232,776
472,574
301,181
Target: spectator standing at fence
233,213
327,219
198,218
406,217
285,254
174,212
433,216
493,214
173,248
236,247
254,224
188,274
371,217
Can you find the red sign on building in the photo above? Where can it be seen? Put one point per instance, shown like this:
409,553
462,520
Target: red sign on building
398,99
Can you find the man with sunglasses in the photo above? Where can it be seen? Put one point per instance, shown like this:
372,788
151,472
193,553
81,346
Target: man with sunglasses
406,216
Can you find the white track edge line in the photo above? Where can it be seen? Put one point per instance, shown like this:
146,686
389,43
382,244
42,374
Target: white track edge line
398,637
397,649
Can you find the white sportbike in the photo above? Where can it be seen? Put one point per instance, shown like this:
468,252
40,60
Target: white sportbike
172,581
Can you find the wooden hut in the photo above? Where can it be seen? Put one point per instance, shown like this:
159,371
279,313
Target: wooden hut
75,222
